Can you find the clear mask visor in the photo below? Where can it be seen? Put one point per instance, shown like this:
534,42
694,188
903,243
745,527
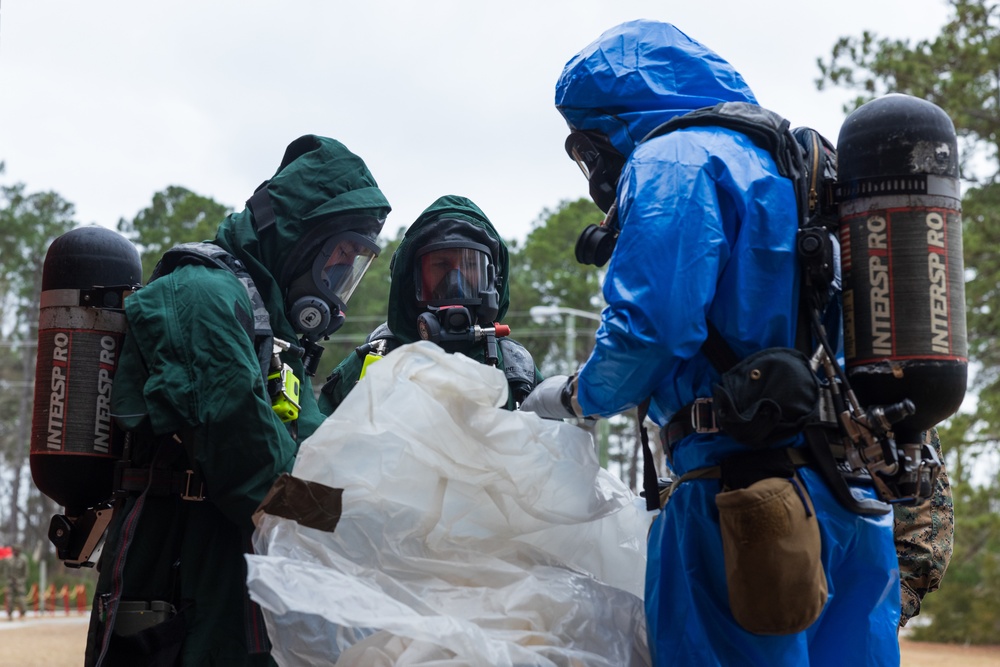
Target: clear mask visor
577,155
581,147
452,275
345,259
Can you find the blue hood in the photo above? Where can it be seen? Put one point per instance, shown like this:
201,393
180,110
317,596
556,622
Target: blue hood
639,75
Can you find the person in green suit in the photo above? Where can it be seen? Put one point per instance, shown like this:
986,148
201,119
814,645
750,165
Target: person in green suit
192,391
451,257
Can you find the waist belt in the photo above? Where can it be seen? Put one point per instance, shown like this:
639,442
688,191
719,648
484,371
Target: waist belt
697,417
793,457
159,482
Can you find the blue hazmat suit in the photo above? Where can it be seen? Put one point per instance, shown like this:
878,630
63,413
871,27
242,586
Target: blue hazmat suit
707,233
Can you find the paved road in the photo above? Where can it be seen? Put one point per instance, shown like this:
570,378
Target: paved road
59,641
46,641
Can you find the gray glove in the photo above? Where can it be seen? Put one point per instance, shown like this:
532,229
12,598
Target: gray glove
552,398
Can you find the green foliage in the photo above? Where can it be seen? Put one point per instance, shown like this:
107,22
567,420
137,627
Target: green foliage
957,70
544,271
981,235
176,215
30,221
13,383
546,267
967,608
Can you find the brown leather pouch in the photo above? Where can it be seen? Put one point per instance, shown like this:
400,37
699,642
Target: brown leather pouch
771,545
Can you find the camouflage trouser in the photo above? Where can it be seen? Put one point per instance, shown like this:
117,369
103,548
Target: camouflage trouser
15,597
923,536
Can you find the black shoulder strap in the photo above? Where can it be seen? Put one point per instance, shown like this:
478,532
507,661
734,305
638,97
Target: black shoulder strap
773,133
718,351
811,182
201,253
820,160
765,128
650,481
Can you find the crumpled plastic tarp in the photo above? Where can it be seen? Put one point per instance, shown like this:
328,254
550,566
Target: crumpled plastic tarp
470,535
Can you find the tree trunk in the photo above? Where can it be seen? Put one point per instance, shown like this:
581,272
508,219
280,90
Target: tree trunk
20,450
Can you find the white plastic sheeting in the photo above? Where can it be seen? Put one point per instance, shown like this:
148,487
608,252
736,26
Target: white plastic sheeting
470,535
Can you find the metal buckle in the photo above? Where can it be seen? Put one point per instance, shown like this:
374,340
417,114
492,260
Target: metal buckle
186,495
703,416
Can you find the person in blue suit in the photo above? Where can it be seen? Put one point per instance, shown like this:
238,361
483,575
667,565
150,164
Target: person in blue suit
706,230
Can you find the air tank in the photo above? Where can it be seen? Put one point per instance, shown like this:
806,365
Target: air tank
901,259
81,327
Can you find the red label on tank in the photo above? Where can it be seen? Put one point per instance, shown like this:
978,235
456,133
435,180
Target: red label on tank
75,373
904,292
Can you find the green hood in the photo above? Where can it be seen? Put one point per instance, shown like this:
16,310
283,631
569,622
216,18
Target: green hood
318,188
447,219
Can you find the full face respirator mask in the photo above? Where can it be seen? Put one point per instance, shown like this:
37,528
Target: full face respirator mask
601,164
455,282
457,273
318,297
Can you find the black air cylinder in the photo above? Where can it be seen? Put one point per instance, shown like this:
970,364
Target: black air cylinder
901,257
81,327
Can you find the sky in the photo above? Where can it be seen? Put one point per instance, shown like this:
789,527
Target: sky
107,102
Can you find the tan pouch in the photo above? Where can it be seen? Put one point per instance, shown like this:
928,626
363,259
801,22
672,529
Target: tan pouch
771,545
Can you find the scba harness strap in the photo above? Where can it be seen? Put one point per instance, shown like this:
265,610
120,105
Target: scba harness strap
808,160
256,324
184,480
764,127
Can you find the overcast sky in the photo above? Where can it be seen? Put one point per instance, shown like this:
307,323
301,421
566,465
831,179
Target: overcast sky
108,101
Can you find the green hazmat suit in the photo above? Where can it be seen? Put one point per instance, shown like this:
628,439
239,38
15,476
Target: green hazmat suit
449,218
190,369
